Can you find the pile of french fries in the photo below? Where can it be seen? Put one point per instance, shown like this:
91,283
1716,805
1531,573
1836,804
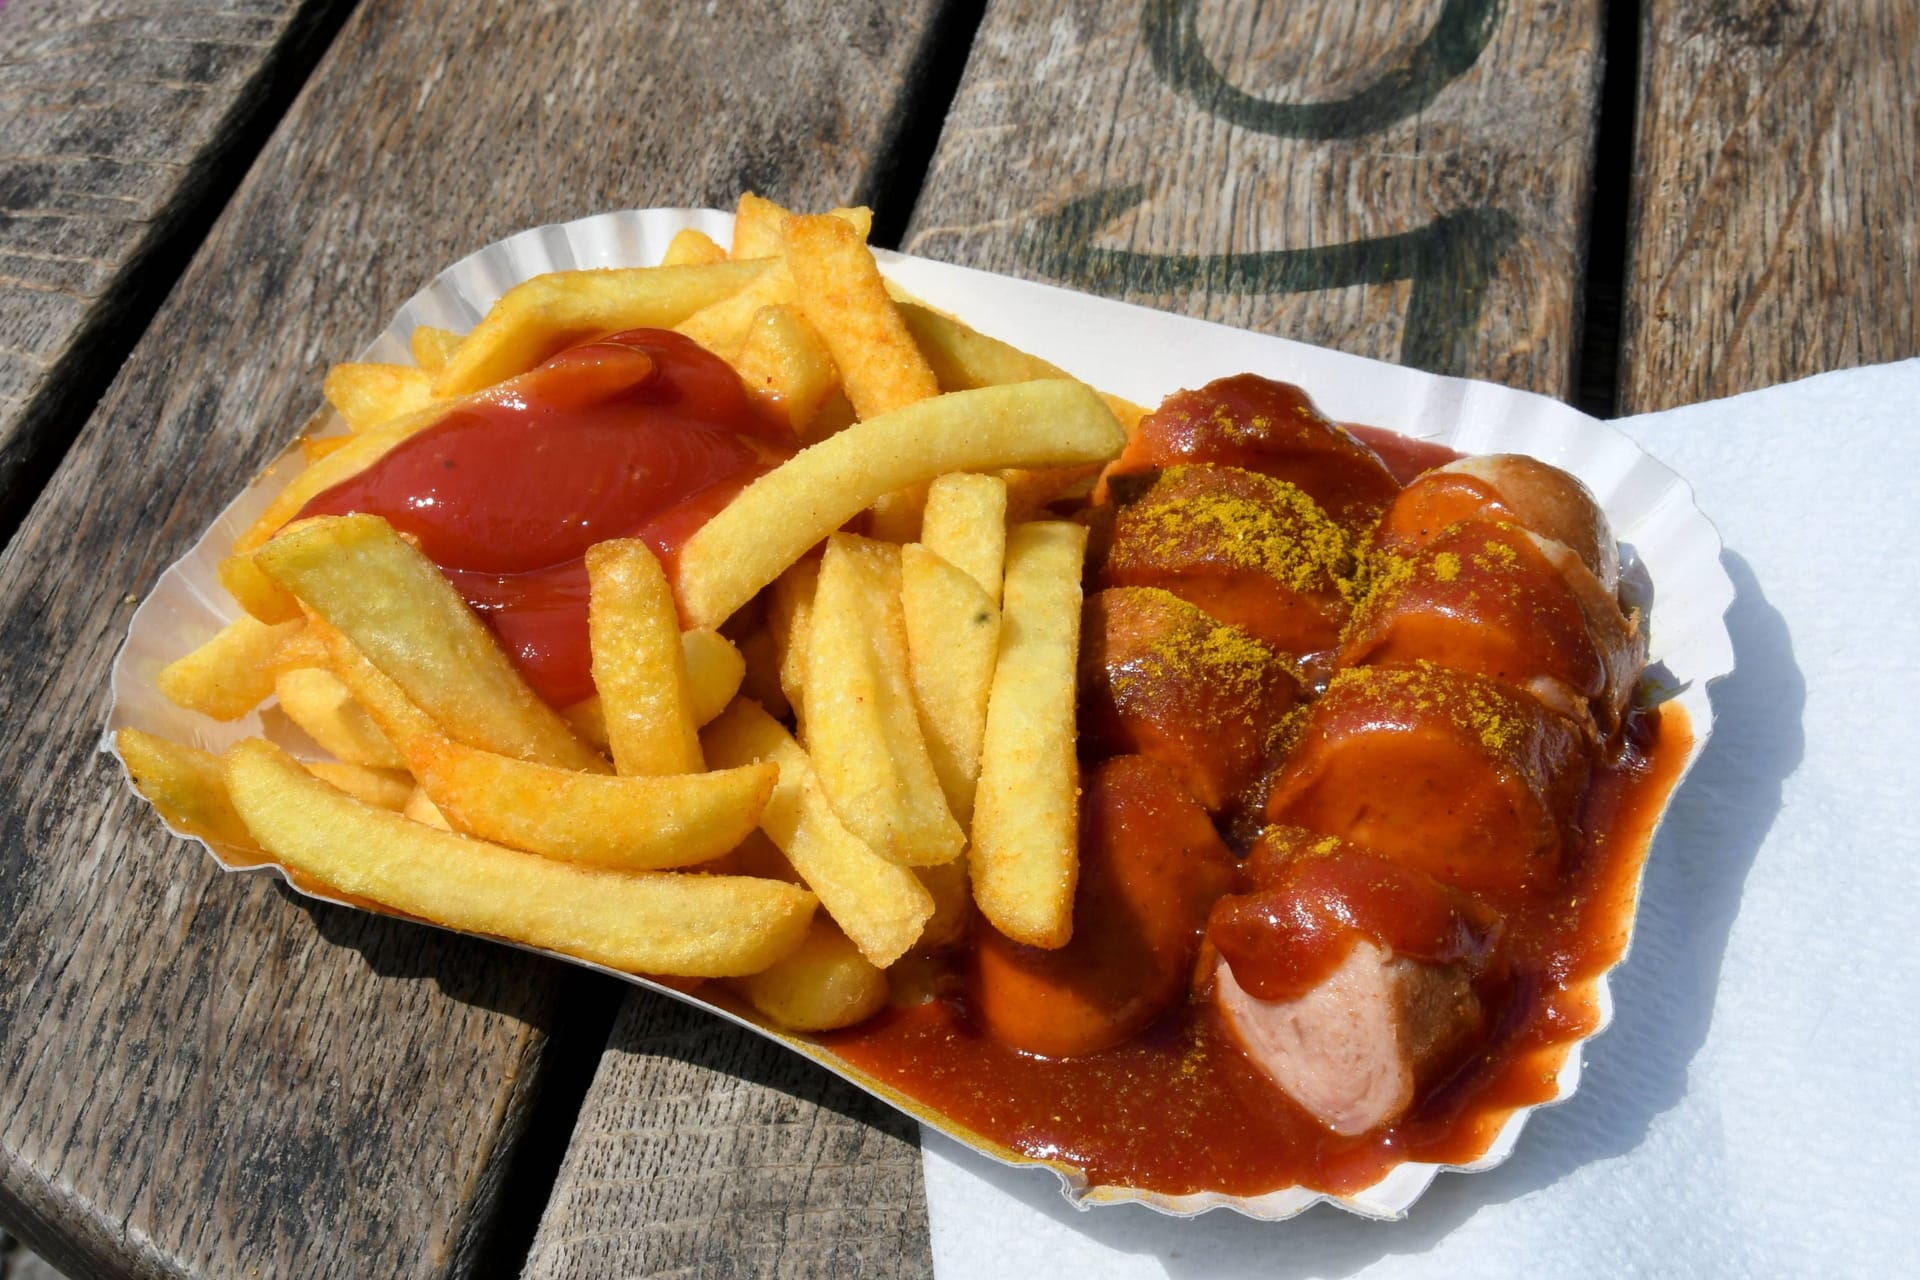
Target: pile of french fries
904,748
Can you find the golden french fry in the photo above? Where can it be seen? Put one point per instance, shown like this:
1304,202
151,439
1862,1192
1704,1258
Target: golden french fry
304,646
966,525
896,516
953,638
384,701
757,222
420,808
432,348
1025,859
186,787
409,622
789,615
230,674
785,365
650,922
843,296
963,358
862,729
622,823
258,594
723,327
322,705
825,984
547,314
382,788
692,248
952,894
372,395
639,664
774,520
715,668
756,227
880,905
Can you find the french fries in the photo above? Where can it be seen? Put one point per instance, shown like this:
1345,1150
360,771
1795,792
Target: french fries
639,665
659,922
774,520
392,603
623,823
923,713
862,727
1026,816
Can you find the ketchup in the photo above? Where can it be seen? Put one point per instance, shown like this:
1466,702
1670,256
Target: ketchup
643,434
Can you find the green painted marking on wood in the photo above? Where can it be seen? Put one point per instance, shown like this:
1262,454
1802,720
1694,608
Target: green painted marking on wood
1449,261
1459,35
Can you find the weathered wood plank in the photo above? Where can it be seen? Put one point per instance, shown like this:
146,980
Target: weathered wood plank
120,118
1402,180
705,1152
1776,226
701,1149
200,1074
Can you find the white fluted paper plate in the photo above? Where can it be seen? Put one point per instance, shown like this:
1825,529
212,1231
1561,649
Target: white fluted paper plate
1141,354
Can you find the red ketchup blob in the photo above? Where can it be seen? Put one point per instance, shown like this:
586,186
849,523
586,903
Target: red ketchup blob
643,434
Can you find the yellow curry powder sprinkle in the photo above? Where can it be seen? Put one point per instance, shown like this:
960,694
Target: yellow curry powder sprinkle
1477,706
1273,527
1446,566
1191,650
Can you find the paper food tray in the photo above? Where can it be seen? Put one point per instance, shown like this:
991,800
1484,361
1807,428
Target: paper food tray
1672,549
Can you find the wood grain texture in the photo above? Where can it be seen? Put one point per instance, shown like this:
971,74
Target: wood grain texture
779,1169
117,115
200,1074
1776,228
1400,180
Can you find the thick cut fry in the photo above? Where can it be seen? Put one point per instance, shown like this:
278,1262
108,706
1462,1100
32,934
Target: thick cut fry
304,646
257,593
785,365
953,637
186,786
692,248
779,516
756,226
761,680
825,984
862,729
230,674
398,610
372,395
652,922
547,314
1026,817
963,358
432,348
322,705
382,788
385,702
789,616
880,905
639,665
723,327
843,296
715,668
966,525
626,824
757,223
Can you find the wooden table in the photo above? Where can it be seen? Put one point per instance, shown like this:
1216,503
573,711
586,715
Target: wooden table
1630,206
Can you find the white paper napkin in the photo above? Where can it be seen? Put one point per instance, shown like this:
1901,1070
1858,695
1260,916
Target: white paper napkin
1753,1109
